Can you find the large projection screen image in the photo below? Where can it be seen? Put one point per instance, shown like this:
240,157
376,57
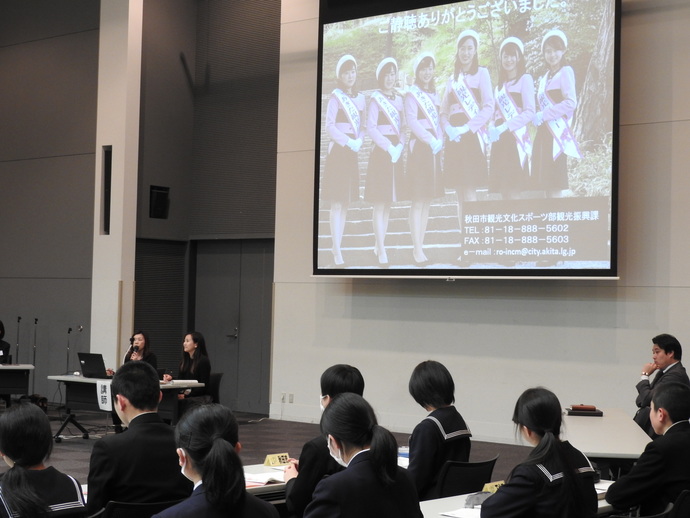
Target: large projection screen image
467,139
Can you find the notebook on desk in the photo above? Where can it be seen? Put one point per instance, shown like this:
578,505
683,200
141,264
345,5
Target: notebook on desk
92,365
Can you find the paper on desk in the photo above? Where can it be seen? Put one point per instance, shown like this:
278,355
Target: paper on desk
463,512
262,479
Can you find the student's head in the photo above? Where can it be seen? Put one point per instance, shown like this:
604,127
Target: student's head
207,438
350,425
666,350
25,436
512,57
670,404
2,330
25,442
141,340
424,70
346,72
466,54
387,74
338,379
539,411
138,383
431,385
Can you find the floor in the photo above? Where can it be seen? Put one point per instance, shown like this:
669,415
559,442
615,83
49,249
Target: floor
258,435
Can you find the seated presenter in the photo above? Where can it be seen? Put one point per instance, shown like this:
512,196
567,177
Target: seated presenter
556,479
661,472
667,368
208,446
442,435
371,485
315,462
194,365
29,487
140,464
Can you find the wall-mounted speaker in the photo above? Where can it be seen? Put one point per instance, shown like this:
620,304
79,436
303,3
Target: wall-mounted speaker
159,202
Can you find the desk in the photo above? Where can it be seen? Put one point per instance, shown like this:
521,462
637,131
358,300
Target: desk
612,436
14,379
80,394
273,492
434,508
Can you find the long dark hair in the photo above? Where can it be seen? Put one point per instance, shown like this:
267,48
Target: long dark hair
189,363
539,410
208,433
26,439
351,420
474,67
513,49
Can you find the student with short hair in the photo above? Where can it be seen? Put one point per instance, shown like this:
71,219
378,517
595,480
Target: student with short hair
442,435
30,488
314,461
208,446
663,469
140,464
372,484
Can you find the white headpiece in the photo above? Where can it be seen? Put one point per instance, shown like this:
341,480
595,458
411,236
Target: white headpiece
555,33
342,61
513,40
468,33
418,60
383,64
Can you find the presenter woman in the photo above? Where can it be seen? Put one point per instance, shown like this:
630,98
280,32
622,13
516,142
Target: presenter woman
30,488
208,447
442,435
511,147
424,175
467,106
386,126
372,485
345,126
140,350
194,365
556,103
556,479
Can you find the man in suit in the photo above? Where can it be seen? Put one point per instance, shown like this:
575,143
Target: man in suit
663,469
666,356
140,464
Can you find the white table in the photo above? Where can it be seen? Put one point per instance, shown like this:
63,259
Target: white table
612,436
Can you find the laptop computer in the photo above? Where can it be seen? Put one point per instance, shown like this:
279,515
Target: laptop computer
92,365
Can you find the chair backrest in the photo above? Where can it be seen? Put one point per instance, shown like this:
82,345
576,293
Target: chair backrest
681,507
115,509
458,478
214,386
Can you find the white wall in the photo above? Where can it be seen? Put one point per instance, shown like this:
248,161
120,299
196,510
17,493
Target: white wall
584,340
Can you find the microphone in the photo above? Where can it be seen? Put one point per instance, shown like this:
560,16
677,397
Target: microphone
19,319
80,328
69,330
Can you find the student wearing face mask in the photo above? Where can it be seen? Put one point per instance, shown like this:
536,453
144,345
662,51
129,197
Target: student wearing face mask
372,485
315,462
208,446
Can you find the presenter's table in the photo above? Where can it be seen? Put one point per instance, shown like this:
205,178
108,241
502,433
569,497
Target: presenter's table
612,436
14,379
81,394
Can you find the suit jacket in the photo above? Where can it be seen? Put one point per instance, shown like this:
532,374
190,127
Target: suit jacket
356,493
137,465
675,374
660,474
315,462
197,506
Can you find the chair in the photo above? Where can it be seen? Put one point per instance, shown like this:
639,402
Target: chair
115,509
681,507
214,386
458,478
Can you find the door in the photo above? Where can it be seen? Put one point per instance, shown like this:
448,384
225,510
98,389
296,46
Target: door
234,290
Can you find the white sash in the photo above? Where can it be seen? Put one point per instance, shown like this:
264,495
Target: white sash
349,108
391,111
470,106
563,139
428,107
509,111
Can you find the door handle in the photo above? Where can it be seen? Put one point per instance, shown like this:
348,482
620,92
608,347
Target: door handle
235,336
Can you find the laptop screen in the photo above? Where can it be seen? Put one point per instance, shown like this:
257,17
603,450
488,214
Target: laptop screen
92,365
